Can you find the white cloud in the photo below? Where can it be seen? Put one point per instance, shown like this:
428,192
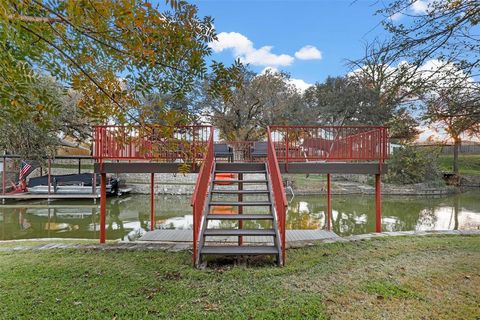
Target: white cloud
300,84
396,16
308,53
420,6
417,7
243,48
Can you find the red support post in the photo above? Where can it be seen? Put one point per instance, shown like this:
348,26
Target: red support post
329,202
152,201
240,208
103,206
378,204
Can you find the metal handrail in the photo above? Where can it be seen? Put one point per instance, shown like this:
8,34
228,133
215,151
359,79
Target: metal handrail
200,193
330,143
151,142
278,189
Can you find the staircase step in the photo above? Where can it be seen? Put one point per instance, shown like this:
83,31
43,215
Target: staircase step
241,191
239,250
239,217
242,171
236,166
240,204
239,181
239,232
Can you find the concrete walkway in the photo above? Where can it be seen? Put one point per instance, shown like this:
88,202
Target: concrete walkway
174,247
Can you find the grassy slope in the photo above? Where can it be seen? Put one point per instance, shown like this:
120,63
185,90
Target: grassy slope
469,164
436,277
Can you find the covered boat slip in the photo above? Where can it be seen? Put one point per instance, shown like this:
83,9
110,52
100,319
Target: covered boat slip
49,186
288,149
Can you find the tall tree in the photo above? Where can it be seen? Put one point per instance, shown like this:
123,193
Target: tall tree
245,107
98,49
448,107
35,139
442,30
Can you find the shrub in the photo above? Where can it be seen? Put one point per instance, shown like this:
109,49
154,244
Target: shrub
409,165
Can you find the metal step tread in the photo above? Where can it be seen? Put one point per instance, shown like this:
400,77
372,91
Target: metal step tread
239,181
236,166
239,217
241,191
242,171
239,232
240,250
240,203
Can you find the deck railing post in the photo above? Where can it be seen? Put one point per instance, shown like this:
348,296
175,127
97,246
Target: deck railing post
152,201
103,206
329,202
378,203
240,208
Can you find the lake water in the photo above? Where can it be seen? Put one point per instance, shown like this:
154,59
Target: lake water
128,217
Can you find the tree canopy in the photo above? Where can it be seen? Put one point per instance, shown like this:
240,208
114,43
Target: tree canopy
112,53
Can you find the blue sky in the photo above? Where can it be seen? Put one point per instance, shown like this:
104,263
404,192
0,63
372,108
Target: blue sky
337,28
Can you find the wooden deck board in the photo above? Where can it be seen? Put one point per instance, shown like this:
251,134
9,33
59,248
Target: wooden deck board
186,236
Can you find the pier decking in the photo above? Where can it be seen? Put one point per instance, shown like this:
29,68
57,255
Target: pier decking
160,235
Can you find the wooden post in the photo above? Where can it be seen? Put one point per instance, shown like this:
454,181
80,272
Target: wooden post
152,201
378,204
79,165
329,202
103,206
240,208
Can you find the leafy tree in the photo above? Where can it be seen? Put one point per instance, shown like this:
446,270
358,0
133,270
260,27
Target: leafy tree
34,139
99,49
445,30
352,100
450,108
409,165
247,104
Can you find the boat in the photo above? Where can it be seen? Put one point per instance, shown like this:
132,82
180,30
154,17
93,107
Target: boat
75,184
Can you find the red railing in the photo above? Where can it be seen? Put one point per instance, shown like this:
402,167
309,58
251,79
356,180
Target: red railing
330,143
151,142
200,193
278,190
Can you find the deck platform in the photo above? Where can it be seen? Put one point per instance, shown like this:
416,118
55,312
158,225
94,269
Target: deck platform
186,236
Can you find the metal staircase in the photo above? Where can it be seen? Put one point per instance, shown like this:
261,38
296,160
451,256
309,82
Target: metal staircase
250,189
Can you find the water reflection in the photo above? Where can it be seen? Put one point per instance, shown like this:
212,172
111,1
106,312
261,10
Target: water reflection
128,218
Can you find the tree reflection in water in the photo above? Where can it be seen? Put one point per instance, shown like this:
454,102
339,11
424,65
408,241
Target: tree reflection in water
352,214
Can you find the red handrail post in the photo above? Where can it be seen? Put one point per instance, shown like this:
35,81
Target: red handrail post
278,190
329,202
152,201
200,193
103,206
378,204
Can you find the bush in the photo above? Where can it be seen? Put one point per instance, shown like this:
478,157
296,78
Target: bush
409,165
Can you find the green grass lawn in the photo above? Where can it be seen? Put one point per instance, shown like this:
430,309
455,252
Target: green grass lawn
302,182
435,277
469,164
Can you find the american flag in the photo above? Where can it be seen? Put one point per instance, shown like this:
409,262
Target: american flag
25,167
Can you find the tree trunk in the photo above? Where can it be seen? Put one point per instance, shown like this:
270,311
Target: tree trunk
456,147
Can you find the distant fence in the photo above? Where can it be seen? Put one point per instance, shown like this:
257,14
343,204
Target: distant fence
448,149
